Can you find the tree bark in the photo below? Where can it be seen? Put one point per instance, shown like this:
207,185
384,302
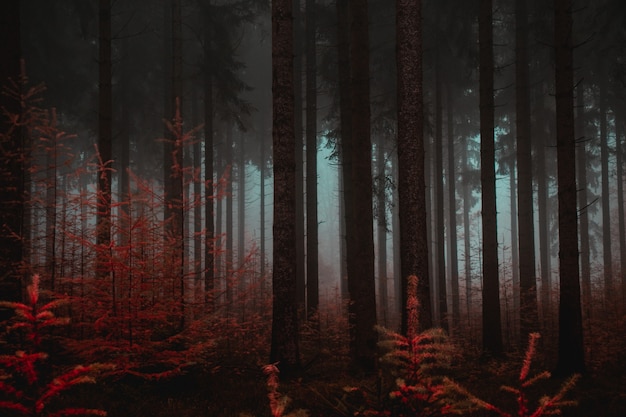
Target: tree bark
312,268
528,283
285,344
209,191
570,351
361,280
492,328
411,161
606,196
452,234
11,163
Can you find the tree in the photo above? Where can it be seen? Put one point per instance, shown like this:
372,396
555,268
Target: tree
105,129
526,226
11,162
312,279
285,345
570,351
411,175
361,281
492,329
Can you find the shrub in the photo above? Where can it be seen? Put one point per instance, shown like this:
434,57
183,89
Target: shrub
23,387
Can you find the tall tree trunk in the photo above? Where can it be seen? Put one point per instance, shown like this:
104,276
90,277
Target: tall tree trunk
361,281
298,126
11,162
381,198
285,344
467,249
262,175
452,235
209,191
492,328
411,161
606,196
571,353
312,278
228,258
196,203
619,153
440,237
105,120
528,313
241,217
345,100
583,213
51,208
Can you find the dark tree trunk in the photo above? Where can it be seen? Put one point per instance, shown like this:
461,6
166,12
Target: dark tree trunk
298,127
606,197
228,258
173,169
312,278
528,283
467,249
345,99
440,237
361,281
381,215
105,116
452,235
619,152
241,217
492,328
583,214
571,353
11,162
209,191
284,349
411,161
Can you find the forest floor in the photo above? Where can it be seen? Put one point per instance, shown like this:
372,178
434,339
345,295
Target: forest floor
241,391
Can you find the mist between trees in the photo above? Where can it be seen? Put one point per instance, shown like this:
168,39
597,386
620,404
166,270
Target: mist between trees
169,177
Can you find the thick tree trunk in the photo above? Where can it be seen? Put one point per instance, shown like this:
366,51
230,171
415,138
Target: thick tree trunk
411,161
285,345
571,353
12,243
492,327
528,313
361,281
312,278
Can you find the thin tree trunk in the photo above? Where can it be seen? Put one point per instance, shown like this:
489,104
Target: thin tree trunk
105,120
241,217
619,153
382,231
452,235
345,100
440,237
209,181
571,353
492,327
228,259
312,278
583,213
606,196
528,313
467,249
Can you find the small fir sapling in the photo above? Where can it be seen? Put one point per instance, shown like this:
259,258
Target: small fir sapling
22,388
416,361
548,405
277,401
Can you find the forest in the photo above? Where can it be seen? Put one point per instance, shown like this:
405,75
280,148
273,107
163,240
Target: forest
312,208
